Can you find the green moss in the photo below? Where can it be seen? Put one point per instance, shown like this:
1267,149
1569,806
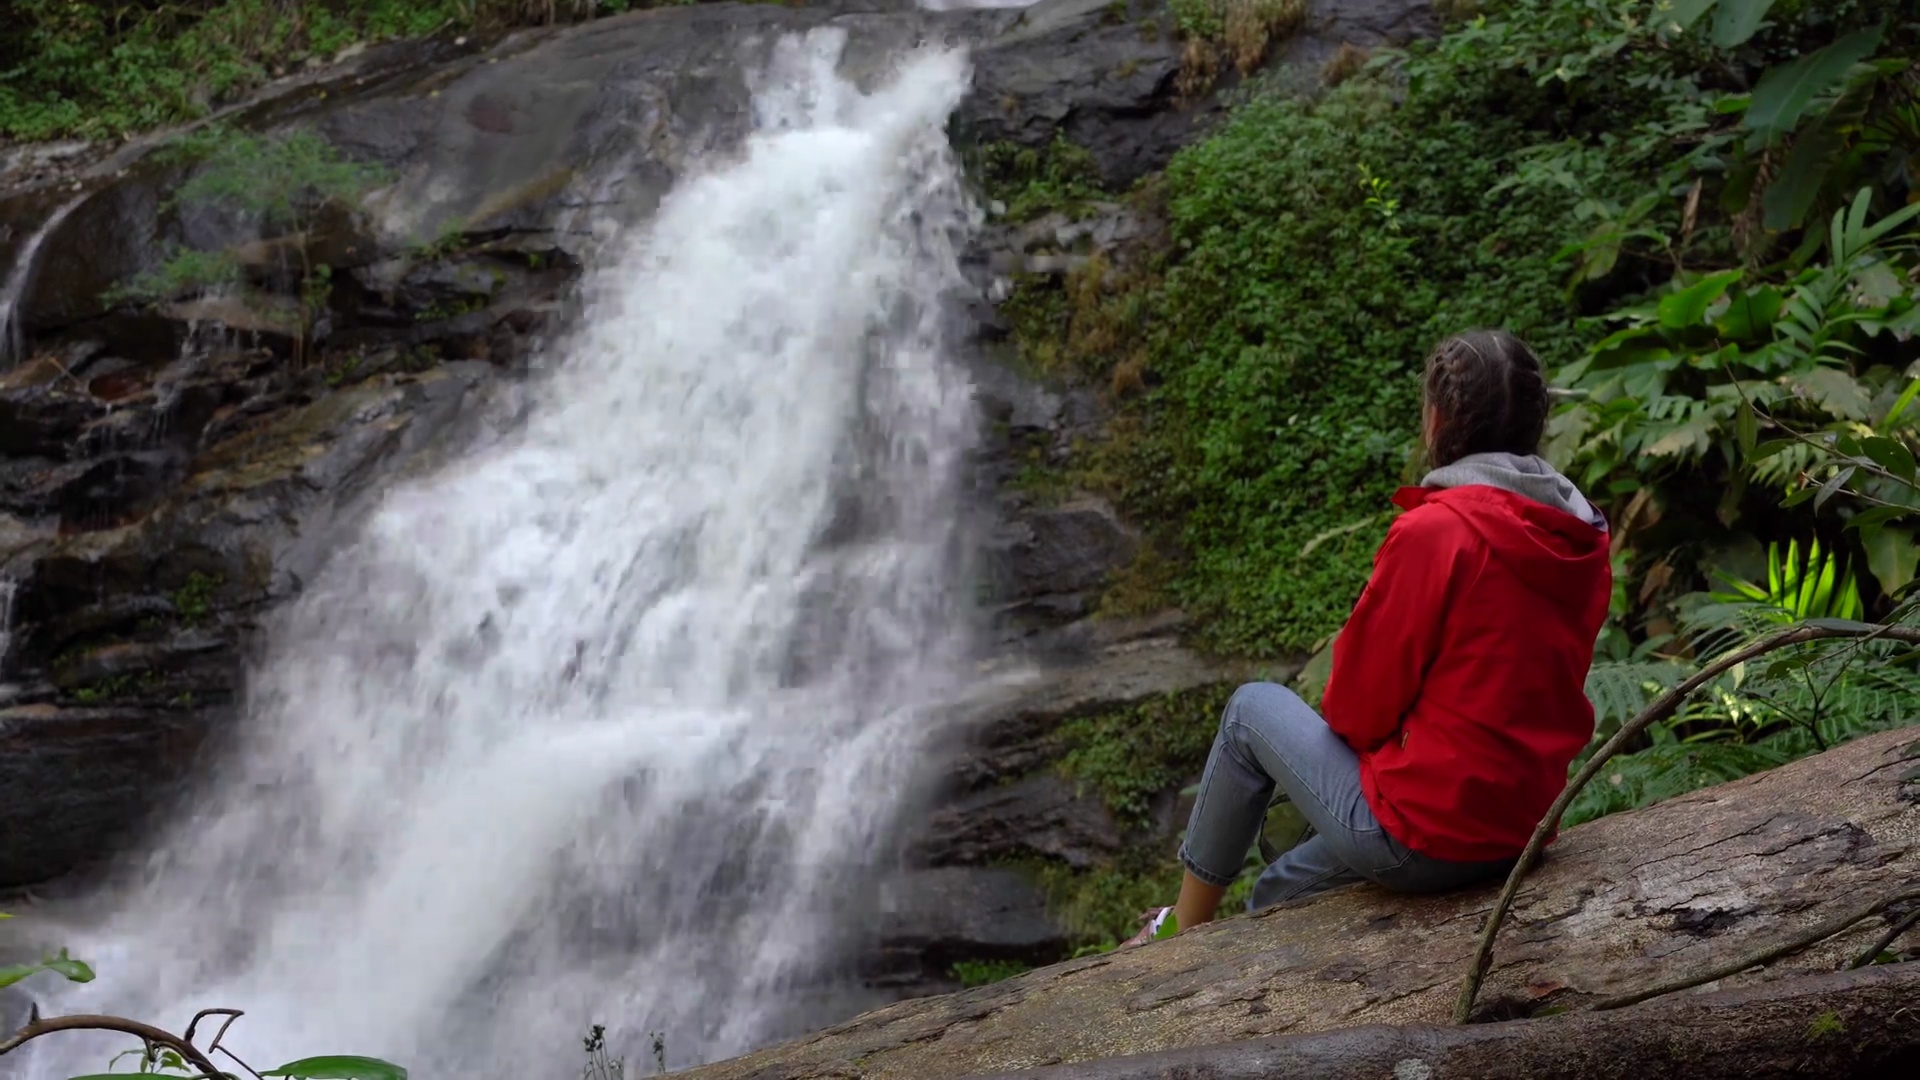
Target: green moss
194,600
1032,182
973,973
1825,1026
1130,755
1100,908
119,686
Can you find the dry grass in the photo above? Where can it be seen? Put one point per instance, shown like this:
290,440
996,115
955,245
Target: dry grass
1199,67
1252,26
1238,32
1345,64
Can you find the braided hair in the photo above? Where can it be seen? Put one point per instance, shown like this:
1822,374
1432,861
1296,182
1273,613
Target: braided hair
1488,394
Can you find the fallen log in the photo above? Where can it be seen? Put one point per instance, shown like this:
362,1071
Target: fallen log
1853,1023
1621,904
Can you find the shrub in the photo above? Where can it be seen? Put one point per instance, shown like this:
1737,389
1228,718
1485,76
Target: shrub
75,67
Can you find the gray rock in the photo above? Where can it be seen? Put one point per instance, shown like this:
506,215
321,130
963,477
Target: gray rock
1048,562
125,651
945,914
72,777
1041,816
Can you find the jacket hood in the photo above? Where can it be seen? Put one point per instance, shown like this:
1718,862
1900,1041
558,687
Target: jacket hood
1531,476
1534,520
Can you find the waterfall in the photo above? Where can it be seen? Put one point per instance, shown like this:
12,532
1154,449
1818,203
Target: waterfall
13,290
8,588
610,721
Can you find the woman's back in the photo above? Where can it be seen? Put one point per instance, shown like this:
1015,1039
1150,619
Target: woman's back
1483,745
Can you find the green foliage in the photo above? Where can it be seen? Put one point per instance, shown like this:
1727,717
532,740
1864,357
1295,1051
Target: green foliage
1804,700
338,1067
156,1057
280,183
1320,249
1031,183
1130,755
1100,908
194,600
1827,1025
1798,588
277,179
184,271
1236,32
96,69
60,964
1220,19
973,973
1685,391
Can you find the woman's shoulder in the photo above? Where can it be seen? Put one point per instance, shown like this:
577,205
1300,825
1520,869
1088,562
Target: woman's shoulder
1426,518
1429,530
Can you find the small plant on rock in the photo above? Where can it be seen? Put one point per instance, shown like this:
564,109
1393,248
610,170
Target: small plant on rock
282,183
1240,32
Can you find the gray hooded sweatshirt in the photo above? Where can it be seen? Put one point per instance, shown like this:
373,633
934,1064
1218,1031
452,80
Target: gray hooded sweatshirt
1529,476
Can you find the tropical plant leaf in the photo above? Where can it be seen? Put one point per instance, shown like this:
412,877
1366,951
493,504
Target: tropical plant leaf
1890,454
1879,515
1900,406
339,1067
1688,306
13,973
73,970
1738,20
1784,93
1682,14
1794,191
1892,556
1751,313
1833,486
1835,391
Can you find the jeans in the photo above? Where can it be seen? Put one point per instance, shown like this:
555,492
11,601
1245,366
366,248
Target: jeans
1269,736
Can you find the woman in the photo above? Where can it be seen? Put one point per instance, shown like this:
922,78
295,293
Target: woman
1456,700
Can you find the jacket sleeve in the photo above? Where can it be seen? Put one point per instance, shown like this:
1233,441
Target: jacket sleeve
1382,655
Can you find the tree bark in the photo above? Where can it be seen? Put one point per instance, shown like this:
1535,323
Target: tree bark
1853,1023
1621,904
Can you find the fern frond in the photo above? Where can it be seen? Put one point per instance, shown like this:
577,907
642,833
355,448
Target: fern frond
1621,689
1664,771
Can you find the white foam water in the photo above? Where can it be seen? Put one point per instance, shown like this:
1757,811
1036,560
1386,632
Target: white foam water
13,290
610,721
8,589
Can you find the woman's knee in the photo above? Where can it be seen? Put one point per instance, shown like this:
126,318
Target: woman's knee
1257,704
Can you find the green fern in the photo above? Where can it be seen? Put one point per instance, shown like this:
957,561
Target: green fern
1620,691
1797,701
1664,771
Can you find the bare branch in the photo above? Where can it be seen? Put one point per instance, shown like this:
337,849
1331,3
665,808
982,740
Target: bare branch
1759,958
1892,935
39,1026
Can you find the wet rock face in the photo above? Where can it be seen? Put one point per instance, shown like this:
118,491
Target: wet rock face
144,547
163,482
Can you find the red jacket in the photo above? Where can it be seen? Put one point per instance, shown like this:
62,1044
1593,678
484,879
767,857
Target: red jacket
1460,679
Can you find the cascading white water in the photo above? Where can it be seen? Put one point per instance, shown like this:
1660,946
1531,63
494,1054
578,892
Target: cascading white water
608,722
13,289
8,588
